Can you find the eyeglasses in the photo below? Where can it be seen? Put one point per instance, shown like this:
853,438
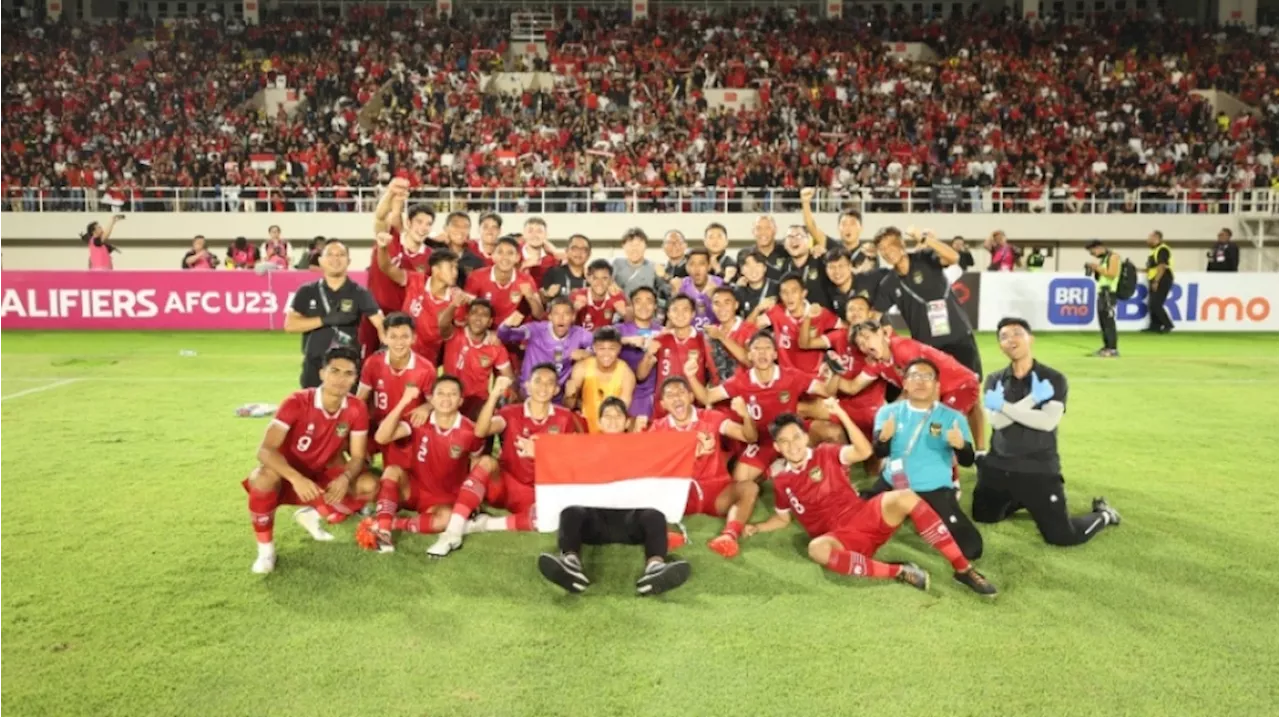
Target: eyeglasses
919,376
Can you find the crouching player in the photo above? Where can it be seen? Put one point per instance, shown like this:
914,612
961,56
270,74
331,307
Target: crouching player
439,475
300,461
606,526
813,483
713,491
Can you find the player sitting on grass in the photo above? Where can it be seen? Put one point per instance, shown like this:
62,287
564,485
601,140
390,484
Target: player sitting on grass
813,483
301,459
605,526
511,485
439,475
713,491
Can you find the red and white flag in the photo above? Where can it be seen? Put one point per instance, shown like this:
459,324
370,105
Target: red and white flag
624,470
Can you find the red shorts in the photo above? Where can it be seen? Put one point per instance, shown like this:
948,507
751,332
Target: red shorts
510,494
963,399
367,335
757,455
423,498
703,495
321,479
865,530
862,412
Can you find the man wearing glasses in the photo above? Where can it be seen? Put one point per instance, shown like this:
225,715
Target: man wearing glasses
918,439
1026,400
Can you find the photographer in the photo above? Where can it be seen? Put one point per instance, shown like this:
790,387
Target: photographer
100,250
1106,271
328,312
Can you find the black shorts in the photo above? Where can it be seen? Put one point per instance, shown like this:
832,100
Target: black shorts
966,352
609,526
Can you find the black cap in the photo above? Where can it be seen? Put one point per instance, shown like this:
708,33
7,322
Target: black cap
1093,244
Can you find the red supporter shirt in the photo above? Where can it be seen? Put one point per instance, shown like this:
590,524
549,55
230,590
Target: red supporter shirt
520,424
389,294
952,375
439,458
767,401
854,362
474,362
506,298
786,329
318,439
593,316
387,384
425,309
710,467
818,493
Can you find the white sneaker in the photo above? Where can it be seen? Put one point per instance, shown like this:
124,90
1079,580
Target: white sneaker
478,524
311,522
444,545
265,563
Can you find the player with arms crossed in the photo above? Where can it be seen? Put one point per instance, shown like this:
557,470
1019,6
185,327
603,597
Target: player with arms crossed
387,375
813,485
441,476
301,459
713,491
511,487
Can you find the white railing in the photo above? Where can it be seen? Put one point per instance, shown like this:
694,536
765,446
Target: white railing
1257,203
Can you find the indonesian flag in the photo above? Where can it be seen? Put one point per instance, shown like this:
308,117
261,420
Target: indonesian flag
263,162
623,470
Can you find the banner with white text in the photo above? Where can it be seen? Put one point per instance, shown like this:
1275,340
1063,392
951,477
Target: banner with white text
1199,301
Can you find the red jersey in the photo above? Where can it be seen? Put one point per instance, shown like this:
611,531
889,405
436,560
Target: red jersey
767,401
952,375
474,362
474,245
387,385
439,458
818,492
425,309
852,363
388,294
520,424
545,264
712,466
506,298
672,357
317,438
593,315
786,329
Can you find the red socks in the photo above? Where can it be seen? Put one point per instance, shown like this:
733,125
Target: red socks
847,562
520,521
420,523
472,492
388,503
930,527
262,509
733,529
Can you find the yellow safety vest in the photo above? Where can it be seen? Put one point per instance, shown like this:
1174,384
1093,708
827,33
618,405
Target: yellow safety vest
596,387
1151,261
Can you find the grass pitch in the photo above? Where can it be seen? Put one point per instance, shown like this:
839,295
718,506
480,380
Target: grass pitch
127,591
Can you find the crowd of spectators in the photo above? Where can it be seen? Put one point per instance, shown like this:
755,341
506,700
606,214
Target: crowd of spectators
1070,118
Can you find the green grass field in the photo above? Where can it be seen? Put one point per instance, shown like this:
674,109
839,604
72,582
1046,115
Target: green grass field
127,588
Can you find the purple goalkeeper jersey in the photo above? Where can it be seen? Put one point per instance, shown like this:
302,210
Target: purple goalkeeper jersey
642,398
702,315
543,346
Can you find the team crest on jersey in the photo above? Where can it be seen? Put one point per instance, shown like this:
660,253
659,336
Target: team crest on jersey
815,474
514,296
784,396
485,361
917,277
553,429
455,452
935,429
342,430
347,306
811,275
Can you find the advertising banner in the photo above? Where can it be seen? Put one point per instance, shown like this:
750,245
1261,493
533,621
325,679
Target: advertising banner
145,300
1068,302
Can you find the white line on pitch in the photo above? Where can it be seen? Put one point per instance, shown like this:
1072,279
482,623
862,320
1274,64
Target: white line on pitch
38,389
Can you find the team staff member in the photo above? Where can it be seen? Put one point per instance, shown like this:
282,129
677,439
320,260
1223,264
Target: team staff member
1225,255
1022,470
1159,282
1105,271
775,254
328,312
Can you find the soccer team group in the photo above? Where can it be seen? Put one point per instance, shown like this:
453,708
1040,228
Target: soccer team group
537,341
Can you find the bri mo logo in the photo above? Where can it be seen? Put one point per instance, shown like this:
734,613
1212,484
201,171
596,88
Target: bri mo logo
1071,301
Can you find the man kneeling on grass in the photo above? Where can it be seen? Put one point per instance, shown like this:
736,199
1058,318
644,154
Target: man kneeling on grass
813,483
606,526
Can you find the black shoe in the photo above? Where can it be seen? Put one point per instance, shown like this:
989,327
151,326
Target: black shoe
661,577
976,582
914,576
1165,329
564,571
1100,506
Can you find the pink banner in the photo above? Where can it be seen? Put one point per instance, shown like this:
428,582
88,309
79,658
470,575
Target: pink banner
141,300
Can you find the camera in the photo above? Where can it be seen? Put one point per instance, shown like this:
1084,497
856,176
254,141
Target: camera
1088,271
